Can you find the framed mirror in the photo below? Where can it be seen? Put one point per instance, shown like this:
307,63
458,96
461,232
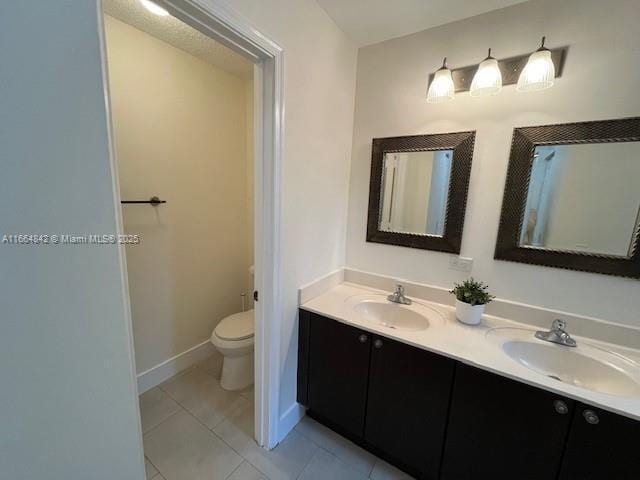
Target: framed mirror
572,197
418,190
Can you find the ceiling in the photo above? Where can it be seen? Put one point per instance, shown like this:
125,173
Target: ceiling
373,21
180,35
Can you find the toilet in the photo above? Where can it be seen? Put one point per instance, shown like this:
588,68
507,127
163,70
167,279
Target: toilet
234,339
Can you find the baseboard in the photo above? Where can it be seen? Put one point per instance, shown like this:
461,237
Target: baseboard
290,419
167,369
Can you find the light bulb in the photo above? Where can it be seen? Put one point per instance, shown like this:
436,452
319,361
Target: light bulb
488,78
153,8
441,88
539,73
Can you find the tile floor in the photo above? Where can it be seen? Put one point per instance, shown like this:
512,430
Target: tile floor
195,430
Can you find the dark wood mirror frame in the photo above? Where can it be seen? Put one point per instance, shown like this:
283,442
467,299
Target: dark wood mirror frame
525,140
462,144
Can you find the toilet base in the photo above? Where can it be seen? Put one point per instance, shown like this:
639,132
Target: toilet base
237,372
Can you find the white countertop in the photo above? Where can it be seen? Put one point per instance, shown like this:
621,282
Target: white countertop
470,344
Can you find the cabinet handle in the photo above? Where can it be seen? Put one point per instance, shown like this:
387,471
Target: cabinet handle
591,417
561,407
377,343
363,338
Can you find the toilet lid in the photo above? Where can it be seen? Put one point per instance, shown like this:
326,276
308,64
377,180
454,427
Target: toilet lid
236,327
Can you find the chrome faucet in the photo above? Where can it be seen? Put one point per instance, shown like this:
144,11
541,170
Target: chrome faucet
398,296
557,334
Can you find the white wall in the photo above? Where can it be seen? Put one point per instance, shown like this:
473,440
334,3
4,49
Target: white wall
320,64
180,133
600,81
319,97
68,403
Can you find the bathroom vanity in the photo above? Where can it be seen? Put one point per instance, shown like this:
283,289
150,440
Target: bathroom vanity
445,401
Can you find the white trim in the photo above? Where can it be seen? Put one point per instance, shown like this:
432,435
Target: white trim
164,371
115,186
291,417
217,20
268,127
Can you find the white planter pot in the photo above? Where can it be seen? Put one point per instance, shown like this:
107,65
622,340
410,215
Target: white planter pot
469,314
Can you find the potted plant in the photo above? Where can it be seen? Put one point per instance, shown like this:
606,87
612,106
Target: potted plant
471,297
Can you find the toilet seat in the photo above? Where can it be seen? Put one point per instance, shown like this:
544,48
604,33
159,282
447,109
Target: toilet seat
236,327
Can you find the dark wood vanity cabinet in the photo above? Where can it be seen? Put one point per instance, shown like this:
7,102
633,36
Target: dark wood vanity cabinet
501,429
408,401
338,373
437,418
385,395
601,445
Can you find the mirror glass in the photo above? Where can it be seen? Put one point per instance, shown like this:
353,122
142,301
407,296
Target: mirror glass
583,198
415,188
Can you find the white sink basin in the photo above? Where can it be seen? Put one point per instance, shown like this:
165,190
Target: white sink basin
413,317
585,366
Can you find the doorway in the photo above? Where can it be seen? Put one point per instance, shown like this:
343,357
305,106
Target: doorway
221,25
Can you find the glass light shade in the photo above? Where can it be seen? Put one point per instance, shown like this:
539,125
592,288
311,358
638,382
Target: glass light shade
441,88
487,80
153,8
538,74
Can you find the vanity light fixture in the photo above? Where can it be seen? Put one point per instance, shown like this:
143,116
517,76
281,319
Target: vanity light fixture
539,73
488,79
441,88
529,72
154,8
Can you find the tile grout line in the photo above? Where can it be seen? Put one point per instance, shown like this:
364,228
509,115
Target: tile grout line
226,417
159,474
318,447
343,462
154,466
217,379
254,466
308,462
183,408
377,459
163,421
215,435
264,474
213,432
235,469
373,467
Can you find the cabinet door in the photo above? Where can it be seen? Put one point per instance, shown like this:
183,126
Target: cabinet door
601,445
338,374
409,392
304,327
503,429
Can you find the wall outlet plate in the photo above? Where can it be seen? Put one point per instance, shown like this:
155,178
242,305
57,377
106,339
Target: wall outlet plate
462,264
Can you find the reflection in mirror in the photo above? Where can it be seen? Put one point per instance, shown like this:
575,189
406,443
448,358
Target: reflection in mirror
418,190
415,188
583,198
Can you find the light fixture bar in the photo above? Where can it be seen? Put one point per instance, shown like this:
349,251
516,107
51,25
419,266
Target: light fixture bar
510,68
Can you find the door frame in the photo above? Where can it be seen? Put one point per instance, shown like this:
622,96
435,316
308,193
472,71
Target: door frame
216,20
